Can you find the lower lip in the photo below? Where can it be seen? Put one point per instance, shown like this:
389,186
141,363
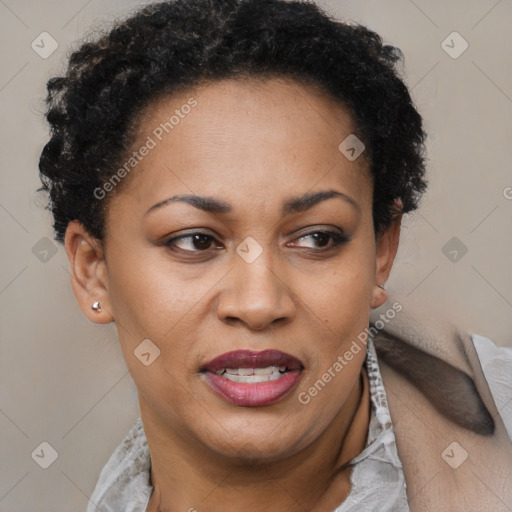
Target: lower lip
253,395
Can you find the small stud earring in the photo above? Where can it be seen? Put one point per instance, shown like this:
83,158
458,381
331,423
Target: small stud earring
96,306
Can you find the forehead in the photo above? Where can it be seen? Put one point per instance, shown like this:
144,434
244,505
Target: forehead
256,138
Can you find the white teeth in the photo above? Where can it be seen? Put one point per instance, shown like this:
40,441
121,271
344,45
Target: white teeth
265,371
252,379
271,373
246,372
252,375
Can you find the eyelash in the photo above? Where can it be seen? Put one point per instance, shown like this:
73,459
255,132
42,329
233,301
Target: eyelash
338,240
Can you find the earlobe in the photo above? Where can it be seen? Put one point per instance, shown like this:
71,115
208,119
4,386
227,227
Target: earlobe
88,273
379,296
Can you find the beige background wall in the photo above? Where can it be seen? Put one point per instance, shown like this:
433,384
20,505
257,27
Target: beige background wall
63,378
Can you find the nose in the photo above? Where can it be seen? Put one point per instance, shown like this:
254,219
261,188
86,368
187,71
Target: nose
256,294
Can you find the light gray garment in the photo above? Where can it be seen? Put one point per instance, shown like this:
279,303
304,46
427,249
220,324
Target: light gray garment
377,478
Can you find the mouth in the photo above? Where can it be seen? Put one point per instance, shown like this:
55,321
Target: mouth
253,379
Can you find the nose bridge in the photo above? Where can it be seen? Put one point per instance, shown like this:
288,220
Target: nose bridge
257,294
259,274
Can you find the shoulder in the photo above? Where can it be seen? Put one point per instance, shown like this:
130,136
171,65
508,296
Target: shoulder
496,362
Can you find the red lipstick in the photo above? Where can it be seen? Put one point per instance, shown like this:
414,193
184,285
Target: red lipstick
252,379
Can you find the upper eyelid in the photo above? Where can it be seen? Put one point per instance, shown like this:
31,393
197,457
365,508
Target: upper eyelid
312,228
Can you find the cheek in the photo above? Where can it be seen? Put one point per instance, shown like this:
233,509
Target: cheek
339,307
339,294
339,312
156,300
149,294
342,309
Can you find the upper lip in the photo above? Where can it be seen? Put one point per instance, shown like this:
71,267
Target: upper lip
251,359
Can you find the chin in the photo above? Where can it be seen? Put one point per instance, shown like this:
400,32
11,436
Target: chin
265,440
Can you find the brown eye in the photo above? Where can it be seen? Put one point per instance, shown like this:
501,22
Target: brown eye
322,238
194,242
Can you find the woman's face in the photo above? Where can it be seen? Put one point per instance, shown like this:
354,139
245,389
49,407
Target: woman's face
272,266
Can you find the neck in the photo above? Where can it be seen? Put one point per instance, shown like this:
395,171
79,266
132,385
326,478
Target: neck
316,479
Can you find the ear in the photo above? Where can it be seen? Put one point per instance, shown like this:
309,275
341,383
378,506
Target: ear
88,272
386,248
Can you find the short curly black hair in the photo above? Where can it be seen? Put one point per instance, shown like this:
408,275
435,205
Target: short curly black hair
172,45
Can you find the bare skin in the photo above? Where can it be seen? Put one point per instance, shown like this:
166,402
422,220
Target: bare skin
254,145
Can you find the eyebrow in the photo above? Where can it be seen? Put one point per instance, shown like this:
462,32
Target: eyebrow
292,205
